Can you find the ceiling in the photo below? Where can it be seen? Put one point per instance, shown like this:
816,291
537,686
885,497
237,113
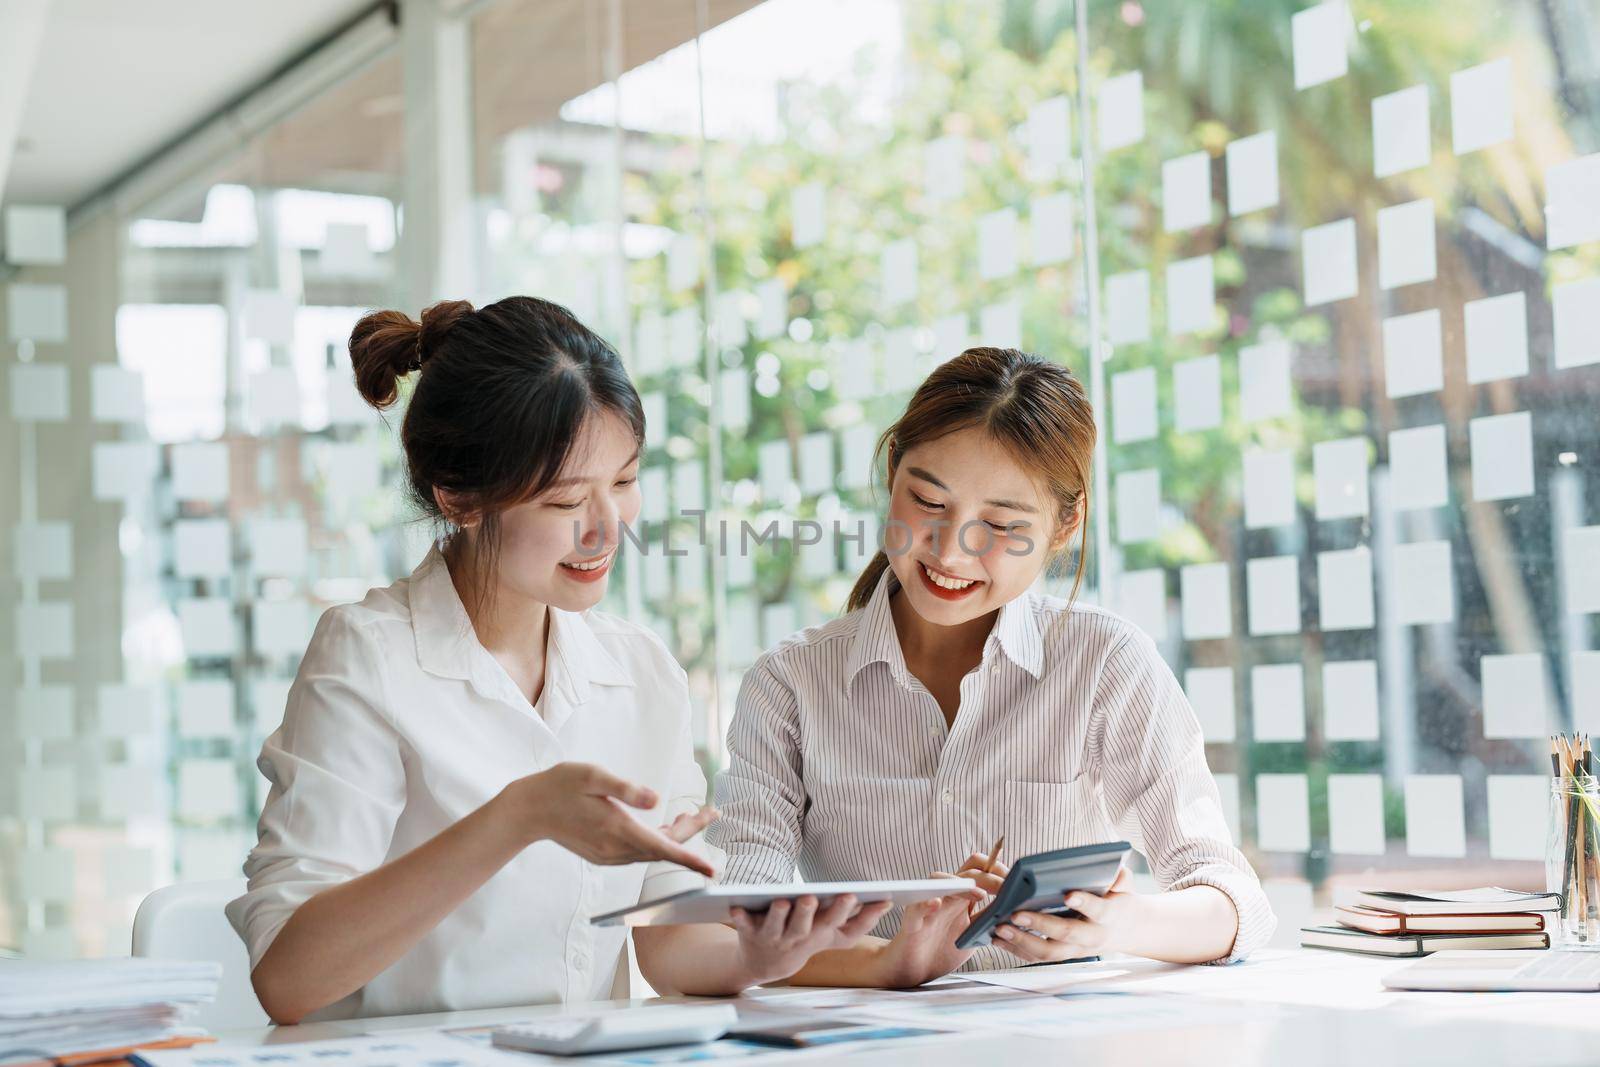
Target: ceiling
114,81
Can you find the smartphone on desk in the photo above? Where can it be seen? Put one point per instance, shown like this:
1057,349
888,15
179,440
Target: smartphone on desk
1040,882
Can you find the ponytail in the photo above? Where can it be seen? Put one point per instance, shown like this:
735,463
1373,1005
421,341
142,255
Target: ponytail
867,584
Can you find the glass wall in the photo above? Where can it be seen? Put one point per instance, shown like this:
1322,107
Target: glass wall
1329,270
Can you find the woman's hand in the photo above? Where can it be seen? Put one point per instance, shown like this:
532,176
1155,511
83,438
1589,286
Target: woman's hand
580,807
1103,927
775,945
924,948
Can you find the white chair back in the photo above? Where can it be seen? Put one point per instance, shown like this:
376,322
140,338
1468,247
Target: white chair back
186,922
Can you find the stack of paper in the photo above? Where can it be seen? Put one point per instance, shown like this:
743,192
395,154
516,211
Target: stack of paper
60,1009
1387,923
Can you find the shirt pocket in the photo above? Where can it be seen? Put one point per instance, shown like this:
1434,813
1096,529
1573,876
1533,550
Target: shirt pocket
1044,816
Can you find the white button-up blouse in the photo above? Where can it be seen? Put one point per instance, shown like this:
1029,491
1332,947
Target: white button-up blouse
1071,731
399,724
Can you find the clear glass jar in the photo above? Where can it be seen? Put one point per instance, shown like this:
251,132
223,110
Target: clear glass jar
1572,861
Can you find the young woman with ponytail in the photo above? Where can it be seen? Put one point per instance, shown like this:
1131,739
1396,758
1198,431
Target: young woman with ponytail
952,705
450,785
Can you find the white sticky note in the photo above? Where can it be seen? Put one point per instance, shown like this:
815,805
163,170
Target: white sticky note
36,235
655,419
777,622
1328,262
1320,37
1339,470
952,335
806,212
1142,599
274,397
1350,700
278,547
48,792
1278,702
816,463
45,874
36,313
688,486
1265,390
733,392
856,444
205,708
351,471
1413,353
944,176
1128,307
1406,244
45,712
1138,506
1344,589
208,789
1400,135
1480,106
1191,295
732,330
1268,488
774,467
269,697
347,251
683,262
1572,202
655,506
127,710
1228,797
1272,588
1133,405
269,316
1049,134
1000,323
202,548
1502,456
1120,115
1497,337
1186,192
116,394
685,337
1435,824
1197,394
997,244
649,344
1576,310
900,360
1517,816
1418,468
1207,601
208,627
1283,813
44,630
772,316
899,266
281,627
40,392
1424,583
43,550
1515,703
1580,557
123,470
1253,172
1210,693
1051,228
855,371
1355,814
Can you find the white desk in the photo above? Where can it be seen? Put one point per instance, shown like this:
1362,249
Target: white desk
1302,1007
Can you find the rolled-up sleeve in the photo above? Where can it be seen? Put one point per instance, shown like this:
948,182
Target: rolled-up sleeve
1157,787
337,784
761,796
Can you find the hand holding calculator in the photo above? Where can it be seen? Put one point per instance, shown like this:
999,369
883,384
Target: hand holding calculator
1041,882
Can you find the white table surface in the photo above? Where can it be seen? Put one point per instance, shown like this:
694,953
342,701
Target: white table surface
1302,1007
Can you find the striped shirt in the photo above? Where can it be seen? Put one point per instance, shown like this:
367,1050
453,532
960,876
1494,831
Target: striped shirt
1071,731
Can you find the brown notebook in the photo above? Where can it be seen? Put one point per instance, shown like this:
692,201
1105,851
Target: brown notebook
1376,921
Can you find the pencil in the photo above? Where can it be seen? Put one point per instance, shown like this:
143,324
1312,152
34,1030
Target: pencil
994,854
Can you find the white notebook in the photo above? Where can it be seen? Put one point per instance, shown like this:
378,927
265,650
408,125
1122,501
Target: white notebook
712,903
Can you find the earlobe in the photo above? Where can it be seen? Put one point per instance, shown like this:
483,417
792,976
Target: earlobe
453,510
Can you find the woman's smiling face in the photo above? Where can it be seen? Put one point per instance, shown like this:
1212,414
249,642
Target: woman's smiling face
969,528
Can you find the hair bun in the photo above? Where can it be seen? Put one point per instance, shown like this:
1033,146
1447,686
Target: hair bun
385,346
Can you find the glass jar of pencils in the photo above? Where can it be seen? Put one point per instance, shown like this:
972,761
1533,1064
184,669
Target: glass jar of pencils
1572,860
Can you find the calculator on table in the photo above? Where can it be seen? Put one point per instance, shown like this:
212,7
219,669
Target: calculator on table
614,1031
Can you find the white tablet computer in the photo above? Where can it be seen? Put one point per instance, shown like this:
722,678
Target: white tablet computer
711,904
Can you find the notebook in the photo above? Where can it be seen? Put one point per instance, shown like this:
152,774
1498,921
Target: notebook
1488,901
1376,921
1347,940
